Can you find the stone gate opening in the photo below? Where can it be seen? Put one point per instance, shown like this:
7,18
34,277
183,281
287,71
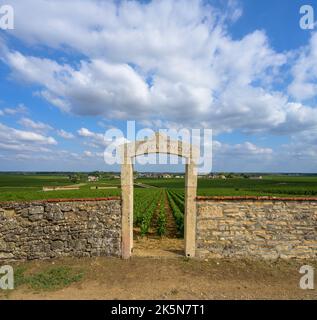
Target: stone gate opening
158,144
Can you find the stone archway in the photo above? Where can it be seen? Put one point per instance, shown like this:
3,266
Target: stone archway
158,144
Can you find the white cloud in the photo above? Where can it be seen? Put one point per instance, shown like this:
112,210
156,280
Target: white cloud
17,141
84,132
96,28
37,126
96,140
119,91
11,134
64,134
244,157
304,71
163,59
245,149
168,60
20,109
88,154
303,145
19,147
96,155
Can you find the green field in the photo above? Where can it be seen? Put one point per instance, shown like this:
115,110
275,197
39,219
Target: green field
29,186
268,186
150,214
164,198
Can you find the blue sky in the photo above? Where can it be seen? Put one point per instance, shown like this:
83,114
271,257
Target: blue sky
71,70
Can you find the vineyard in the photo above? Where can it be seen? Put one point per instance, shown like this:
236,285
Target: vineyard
155,208
158,202
176,202
30,187
152,208
274,185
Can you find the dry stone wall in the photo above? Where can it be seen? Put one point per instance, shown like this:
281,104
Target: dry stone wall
227,227
49,229
256,227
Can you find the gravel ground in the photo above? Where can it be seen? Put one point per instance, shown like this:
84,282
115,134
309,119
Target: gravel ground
172,277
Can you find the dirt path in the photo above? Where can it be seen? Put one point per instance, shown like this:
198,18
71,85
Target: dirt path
153,245
146,186
158,247
171,227
177,278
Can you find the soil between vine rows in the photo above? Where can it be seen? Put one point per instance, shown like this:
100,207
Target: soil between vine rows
152,245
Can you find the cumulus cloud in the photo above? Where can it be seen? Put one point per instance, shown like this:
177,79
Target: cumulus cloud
120,91
37,126
304,71
14,141
241,149
92,139
166,59
303,145
11,134
169,60
20,109
245,157
64,134
88,154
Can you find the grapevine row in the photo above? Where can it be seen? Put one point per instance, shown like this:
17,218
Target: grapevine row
146,206
177,213
161,221
142,201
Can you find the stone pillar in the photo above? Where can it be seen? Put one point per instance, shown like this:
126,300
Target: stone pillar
190,209
129,151
127,208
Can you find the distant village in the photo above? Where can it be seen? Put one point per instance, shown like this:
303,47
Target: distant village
156,175
205,176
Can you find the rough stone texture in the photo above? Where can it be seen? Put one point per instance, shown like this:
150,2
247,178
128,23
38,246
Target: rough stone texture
256,228
49,229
